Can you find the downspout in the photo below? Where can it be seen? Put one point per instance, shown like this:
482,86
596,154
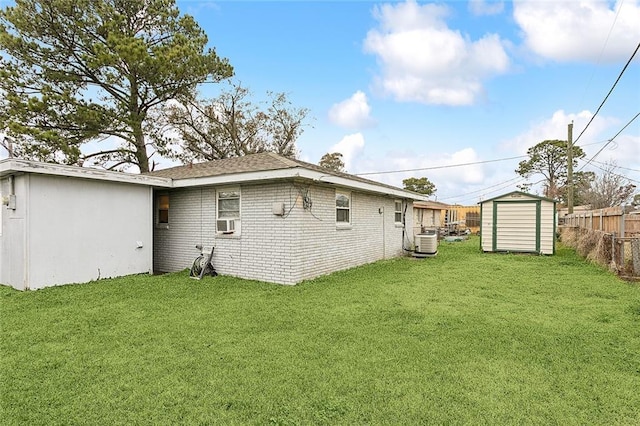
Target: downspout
27,228
404,227
151,230
384,235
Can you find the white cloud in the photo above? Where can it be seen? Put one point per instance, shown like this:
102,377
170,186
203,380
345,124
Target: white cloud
624,150
350,147
448,180
556,127
485,7
577,31
423,60
352,113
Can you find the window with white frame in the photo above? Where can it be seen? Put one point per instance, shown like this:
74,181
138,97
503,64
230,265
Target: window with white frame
398,211
228,211
343,208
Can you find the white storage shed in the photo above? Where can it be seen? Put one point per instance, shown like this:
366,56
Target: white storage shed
518,222
64,224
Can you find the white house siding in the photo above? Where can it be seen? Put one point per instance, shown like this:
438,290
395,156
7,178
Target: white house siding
71,230
425,218
302,244
13,239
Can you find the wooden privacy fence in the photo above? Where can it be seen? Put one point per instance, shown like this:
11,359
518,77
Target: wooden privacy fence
612,220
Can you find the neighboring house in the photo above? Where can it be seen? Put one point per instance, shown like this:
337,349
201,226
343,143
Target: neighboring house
462,218
427,215
65,224
269,218
453,218
277,219
518,222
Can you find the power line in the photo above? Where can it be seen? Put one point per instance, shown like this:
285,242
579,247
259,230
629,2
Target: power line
611,90
613,173
501,185
439,167
620,167
613,24
610,140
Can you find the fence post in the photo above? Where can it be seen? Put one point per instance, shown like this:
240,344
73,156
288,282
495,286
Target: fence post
622,233
601,220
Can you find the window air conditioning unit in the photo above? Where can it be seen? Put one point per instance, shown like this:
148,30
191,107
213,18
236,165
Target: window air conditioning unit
426,244
226,226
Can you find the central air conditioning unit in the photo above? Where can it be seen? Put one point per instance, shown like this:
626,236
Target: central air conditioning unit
226,226
426,244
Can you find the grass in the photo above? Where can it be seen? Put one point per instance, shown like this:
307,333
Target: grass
462,338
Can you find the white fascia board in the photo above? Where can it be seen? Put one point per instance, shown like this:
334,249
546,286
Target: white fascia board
11,166
364,186
296,173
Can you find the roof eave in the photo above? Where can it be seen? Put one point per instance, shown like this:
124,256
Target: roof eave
295,173
12,166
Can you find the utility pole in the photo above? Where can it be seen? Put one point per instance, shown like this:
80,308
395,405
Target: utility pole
570,169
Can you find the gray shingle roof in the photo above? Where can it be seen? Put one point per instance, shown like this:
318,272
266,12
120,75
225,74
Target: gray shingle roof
248,163
252,163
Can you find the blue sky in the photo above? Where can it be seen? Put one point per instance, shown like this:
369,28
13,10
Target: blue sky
426,86
418,85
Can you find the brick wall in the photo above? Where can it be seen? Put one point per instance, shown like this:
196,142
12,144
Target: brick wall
303,243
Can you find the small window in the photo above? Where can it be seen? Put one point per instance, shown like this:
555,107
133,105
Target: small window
398,212
343,208
228,211
163,209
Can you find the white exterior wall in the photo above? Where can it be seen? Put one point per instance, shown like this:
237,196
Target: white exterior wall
547,228
326,248
302,244
425,218
191,222
515,227
71,230
12,241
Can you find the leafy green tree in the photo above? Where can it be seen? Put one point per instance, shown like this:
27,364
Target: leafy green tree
232,125
332,161
549,159
80,71
420,185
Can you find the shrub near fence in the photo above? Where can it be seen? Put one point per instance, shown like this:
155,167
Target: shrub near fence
610,237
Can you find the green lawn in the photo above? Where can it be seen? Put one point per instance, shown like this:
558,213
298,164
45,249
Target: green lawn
462,338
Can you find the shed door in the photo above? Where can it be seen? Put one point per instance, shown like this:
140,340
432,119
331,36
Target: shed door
516,226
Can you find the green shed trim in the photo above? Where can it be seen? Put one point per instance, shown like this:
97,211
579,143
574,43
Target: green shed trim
480,232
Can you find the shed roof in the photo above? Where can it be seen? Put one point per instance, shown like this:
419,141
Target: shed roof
524,194
11,166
